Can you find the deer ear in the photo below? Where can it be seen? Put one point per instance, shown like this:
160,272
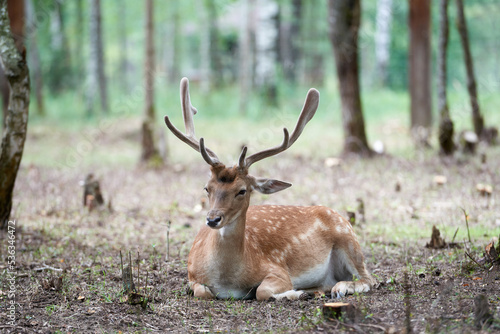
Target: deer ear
269,186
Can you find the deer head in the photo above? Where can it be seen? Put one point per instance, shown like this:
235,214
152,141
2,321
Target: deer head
229,188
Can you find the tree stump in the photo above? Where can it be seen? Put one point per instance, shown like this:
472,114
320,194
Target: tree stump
436,241
92,196
344,312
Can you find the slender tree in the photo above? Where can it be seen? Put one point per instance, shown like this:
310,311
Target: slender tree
123,68
96,74
344,18
420,69
245,55
266,34
78,38
13,56
173,44
149,149
60,61
446,144
383,39
477,118
312,54
34,56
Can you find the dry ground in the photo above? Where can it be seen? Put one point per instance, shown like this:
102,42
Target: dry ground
68,261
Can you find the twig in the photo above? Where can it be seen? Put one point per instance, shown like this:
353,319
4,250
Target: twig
467,224
470,257
168,240
454,235
45,267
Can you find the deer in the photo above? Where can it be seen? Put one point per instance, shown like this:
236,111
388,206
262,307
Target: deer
266,251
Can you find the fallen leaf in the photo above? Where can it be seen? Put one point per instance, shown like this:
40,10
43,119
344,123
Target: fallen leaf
477,278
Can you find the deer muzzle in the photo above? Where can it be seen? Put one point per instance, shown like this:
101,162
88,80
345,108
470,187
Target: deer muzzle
214,218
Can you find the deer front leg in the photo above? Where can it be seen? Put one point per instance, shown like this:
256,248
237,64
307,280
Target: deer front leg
278,286
201,291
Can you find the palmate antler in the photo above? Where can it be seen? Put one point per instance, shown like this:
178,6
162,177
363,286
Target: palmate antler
308,110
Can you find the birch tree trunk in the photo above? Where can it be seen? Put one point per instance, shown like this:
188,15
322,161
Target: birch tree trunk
446,144
420,68
383,39
344,19
477,118
16,17
14,135
149,149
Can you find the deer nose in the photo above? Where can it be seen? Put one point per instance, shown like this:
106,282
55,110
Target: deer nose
213,222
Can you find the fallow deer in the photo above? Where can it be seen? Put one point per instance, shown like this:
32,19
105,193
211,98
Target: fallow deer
267,251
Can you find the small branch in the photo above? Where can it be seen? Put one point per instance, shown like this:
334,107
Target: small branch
46,267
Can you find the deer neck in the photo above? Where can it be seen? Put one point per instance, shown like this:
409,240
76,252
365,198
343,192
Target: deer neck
230,239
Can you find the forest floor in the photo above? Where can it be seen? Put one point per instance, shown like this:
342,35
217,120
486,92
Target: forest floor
68,263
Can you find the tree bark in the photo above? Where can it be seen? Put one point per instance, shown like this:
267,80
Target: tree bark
477,118
14,135
446,144
420,66
344,18
149,150
383,39
16,17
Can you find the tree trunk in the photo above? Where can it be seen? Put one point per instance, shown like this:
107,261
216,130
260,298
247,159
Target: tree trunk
420,67
344,19
173,45
60,61
446,144
245,56
477,118
149,150
14,135
291,63
266,49
34,56
123,76
79,59
312,54
383,39
97,78
215,61
16,17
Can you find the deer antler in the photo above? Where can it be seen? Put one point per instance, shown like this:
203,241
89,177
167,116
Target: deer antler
308,110
188,111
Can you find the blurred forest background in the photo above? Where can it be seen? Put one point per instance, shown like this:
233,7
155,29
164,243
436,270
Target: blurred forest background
247,59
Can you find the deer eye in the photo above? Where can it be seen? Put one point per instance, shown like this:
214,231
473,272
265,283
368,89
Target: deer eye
241,192
206,190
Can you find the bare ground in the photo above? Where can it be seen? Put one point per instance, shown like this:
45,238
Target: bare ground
68,262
